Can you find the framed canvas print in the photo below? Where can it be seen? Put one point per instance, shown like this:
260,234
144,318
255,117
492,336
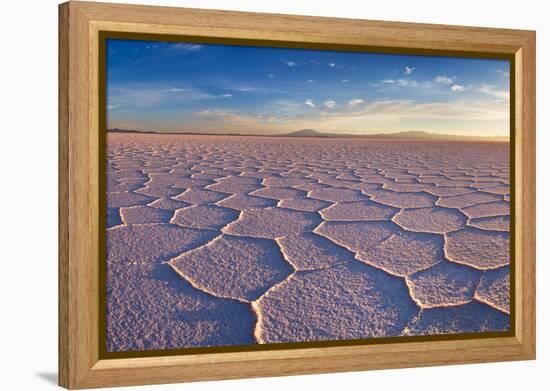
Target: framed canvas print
251,195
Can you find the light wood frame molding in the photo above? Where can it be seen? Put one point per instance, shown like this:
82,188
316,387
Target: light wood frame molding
79,25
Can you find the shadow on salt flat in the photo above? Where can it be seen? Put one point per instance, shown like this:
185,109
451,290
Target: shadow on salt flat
113,217
145,215
118,200
151,307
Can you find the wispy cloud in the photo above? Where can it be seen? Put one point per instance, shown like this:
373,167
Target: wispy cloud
190,47
345,80
493,91
442,79
458,88
410,83
212,118
143,95
407,109
240,86
331,64
245,89
408,70
355,102
503,72
309,102
289,63
414,84
330,104
271,75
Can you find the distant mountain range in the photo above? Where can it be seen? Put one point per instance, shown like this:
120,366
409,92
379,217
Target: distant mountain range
410,135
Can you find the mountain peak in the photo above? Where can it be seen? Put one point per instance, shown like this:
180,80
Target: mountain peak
306,133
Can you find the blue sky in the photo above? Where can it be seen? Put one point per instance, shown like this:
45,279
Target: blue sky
186,87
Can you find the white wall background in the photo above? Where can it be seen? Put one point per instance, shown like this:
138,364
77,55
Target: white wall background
28,192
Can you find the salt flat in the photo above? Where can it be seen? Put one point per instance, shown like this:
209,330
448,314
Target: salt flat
230,240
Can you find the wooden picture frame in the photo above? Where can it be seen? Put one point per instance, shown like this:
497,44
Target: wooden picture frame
80,26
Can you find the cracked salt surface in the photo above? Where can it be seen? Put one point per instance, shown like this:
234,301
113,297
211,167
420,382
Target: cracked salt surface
362,210
347,301
234,267
245,240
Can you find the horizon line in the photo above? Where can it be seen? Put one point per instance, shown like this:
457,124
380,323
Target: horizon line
312,133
